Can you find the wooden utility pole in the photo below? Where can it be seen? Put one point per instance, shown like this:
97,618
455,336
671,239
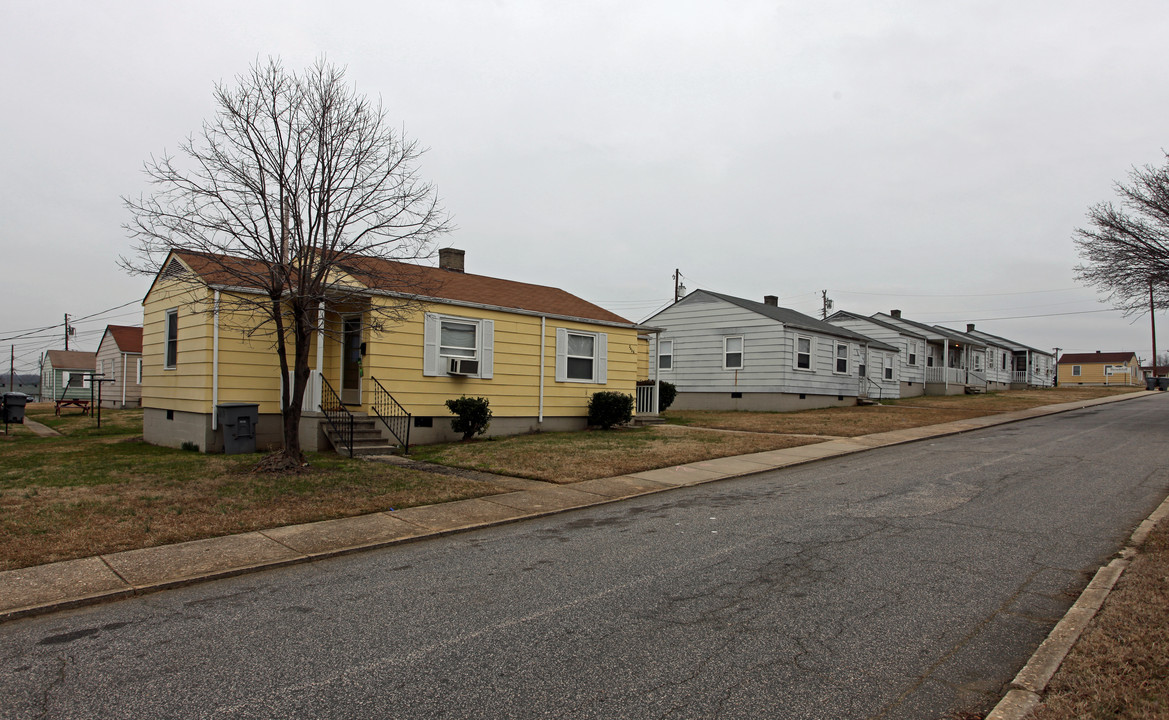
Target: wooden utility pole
12,368
66,331
677,285
1153,325
826,306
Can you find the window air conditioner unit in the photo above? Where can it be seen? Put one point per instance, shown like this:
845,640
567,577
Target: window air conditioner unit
462,366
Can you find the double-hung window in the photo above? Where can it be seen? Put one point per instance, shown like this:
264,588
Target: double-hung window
581,356
803,353
139,374
458,339
733,353
1075,370
842,358
665,354
458,346
889,367
171,339
912,352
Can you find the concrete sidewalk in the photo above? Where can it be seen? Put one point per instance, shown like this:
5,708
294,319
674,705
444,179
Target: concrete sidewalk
72,583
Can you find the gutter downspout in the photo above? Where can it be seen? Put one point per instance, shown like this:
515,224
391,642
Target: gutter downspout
215,363
320,354
543,346
124,383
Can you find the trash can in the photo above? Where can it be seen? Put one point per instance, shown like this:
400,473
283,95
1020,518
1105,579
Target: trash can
14,407
1150,383
238,422
1163,383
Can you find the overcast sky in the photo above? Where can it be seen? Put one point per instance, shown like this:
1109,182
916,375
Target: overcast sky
930,156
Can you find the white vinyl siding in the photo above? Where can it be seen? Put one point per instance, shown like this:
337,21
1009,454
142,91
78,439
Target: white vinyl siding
582,357
698,327
448,336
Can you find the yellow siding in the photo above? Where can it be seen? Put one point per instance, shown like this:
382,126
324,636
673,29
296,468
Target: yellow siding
249,368
643,358
1093,374
187,387
395,359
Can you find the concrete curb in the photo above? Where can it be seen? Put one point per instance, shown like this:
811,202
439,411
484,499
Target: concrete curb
1027,688
74,583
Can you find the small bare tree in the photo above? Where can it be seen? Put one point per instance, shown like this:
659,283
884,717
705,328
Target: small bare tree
1125,249
295,174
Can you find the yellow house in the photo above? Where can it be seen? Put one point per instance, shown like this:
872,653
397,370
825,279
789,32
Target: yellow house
1100,368
536,353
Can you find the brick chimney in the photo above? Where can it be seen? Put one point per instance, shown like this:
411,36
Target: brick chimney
969,327
895,313
772,300
451,259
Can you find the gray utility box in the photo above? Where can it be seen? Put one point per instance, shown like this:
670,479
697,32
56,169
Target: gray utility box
14,407
238,422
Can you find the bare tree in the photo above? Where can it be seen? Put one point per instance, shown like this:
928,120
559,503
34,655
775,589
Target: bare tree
295,175
1125,249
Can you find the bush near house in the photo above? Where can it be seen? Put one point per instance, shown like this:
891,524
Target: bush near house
473,415
666,394
608,408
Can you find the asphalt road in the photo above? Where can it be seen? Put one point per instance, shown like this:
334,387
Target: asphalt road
903,583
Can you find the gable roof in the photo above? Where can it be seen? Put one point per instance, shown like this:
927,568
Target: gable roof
878,321
792,318
1096,357
72,360
933,332
416,282
1008,343
127,338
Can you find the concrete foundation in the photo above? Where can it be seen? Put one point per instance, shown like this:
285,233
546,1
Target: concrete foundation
912,389
173,428
943,389
759,402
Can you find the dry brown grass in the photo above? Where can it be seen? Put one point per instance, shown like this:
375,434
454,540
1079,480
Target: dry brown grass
1120,666
89,492
894,415
571,457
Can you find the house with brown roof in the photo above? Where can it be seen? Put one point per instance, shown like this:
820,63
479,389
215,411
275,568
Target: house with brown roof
119,358
65,375
537,353
1100,368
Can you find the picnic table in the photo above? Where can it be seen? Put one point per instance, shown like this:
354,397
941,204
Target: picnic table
83,404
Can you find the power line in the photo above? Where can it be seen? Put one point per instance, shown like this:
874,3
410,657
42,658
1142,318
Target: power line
1021,292
1023,317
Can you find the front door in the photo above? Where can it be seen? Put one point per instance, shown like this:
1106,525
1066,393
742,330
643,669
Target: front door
351,360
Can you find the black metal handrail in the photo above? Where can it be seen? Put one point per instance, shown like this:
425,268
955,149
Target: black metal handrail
875,384
392,415
337,415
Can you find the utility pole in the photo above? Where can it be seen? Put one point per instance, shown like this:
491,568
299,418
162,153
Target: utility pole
827,305
12,368
679,288
66,331
1153,324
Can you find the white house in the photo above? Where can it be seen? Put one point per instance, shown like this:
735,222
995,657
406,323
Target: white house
911,345
1029,367
955,362
728,353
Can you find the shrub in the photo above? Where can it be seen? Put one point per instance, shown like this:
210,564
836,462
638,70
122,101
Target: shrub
667,393
190,446
473,416
607,409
